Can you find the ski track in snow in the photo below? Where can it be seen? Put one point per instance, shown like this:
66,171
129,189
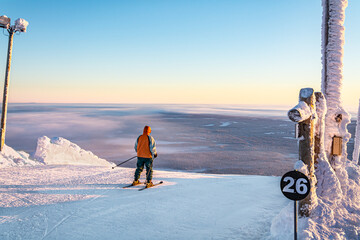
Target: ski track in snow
47,233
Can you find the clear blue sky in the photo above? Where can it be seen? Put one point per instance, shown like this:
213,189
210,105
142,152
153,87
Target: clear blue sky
188,51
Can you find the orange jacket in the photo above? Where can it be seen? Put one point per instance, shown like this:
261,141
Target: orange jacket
145,145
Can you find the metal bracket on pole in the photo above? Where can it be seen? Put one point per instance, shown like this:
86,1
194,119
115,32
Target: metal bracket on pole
303,114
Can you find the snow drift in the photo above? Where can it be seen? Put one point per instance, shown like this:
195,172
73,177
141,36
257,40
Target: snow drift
55,151
11,158
58,150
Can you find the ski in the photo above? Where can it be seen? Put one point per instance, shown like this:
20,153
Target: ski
151,186
131,185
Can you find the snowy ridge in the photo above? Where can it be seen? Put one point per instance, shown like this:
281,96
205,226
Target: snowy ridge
59,150
10,158
55,151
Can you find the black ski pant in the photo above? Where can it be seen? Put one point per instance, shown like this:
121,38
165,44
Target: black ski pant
148,162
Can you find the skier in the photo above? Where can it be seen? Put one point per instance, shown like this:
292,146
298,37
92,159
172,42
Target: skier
146,152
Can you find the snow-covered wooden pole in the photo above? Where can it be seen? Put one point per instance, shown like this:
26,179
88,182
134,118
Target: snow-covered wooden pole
20,26
355,156
6,90
304,115
336,119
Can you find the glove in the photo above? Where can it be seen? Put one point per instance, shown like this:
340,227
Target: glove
155,155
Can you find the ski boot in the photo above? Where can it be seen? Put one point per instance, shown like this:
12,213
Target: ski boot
149,184
136,182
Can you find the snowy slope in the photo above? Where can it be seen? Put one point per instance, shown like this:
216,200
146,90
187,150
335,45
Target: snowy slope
84,202
64,195
62,199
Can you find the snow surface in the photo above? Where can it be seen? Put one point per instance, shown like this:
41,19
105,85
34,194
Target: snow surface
49,200
85,202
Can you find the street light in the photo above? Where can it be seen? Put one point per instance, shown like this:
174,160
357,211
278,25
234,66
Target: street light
20,26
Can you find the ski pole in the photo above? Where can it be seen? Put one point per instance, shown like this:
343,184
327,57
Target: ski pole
124,162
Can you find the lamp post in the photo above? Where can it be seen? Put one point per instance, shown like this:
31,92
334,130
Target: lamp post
20,26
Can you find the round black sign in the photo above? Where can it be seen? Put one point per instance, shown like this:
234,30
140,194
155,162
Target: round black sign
295,185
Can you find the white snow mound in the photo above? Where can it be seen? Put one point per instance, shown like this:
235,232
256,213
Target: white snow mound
10,158
60,151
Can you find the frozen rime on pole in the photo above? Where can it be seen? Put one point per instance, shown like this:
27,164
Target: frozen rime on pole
306,92
300,112
332,75
355,156
332,47
338,180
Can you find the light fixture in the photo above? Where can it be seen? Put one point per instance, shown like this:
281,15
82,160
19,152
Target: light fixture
4,22
21,25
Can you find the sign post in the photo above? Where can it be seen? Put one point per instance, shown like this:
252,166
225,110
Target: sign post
295,186
304,115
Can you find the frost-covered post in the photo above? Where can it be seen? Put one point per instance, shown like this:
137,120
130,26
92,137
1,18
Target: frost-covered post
336,119
20,26
355,156
304,115
320,107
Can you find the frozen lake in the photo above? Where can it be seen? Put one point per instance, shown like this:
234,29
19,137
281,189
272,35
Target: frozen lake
200,138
